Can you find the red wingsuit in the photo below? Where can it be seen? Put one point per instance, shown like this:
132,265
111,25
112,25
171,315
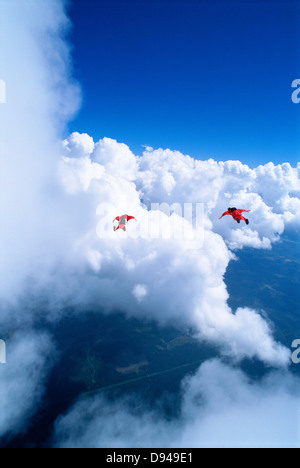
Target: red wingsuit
236,214
122,221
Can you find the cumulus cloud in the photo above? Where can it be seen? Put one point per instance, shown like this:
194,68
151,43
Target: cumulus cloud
40,97
271,192
163,268
220,407
140,291
78,145
117,158
259,414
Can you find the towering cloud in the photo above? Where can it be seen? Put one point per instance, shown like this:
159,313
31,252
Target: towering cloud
163,267
40,97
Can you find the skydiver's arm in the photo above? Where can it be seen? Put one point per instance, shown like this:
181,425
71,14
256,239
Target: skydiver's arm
130,217
224,214
117,218
243,211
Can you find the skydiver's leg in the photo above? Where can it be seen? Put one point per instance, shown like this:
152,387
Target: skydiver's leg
244,219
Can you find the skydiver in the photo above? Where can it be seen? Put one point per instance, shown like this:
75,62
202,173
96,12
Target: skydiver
123,220
236,214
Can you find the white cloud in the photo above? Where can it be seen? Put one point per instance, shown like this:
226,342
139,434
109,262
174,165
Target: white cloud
40,98
78,174
140,291
23,380
58,200
220,407
259,414
270,192
117,158
181,280
78,145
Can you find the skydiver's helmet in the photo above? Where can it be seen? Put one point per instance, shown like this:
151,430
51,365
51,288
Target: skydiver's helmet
231,209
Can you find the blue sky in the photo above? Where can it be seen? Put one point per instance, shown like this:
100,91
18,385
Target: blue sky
163,76
209,78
